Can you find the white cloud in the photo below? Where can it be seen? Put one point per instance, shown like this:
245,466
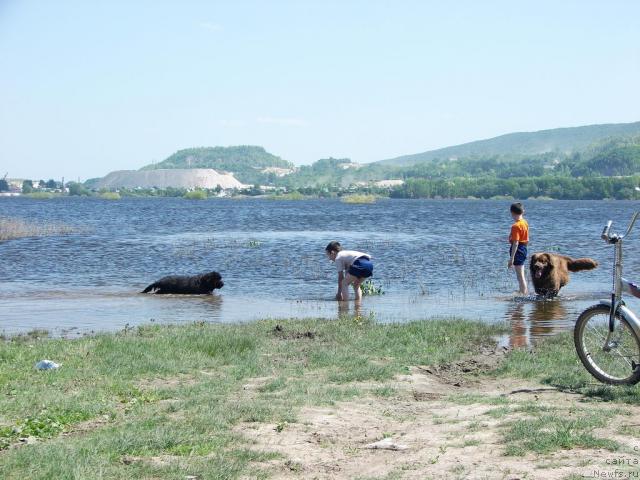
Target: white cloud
282,121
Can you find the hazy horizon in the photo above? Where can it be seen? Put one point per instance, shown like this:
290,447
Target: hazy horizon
100,87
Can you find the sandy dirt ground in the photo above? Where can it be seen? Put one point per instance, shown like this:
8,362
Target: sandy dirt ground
428,434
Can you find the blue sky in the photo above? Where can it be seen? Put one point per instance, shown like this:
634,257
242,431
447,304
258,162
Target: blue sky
88,87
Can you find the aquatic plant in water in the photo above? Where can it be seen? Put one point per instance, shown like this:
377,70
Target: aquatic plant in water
369,288
12,228
358,199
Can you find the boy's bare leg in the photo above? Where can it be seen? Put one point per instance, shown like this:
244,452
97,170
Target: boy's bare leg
522,281
355,282
345,287
356,289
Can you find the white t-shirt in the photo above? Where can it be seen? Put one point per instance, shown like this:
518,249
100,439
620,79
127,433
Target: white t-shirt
345,258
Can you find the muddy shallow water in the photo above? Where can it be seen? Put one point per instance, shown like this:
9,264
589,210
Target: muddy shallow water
433,258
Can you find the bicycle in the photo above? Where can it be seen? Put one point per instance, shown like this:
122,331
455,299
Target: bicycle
607,335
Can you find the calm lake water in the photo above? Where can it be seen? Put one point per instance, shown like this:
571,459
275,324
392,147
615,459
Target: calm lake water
433,258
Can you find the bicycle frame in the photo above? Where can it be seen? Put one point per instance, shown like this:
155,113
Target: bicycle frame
620,284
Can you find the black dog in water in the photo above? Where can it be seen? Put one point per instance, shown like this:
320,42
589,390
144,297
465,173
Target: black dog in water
195,284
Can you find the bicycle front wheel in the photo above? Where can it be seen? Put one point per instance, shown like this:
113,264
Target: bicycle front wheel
616,362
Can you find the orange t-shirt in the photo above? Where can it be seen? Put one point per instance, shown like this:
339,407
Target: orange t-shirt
519,232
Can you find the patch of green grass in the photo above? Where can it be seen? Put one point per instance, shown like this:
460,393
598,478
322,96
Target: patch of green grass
274,385
385,391
555,362
41,426
471,398
476,426
551,432
178,391
499,412
471,443
533,408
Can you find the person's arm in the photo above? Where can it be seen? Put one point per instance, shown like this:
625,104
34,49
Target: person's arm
340,280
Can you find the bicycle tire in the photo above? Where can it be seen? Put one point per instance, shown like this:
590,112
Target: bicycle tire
619,365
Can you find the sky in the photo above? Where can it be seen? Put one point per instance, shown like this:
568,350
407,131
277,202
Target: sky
88,87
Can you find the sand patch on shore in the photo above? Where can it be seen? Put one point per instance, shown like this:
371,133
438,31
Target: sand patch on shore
442,419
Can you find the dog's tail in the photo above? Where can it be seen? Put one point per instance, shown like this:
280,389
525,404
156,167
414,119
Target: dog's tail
149,288
577,264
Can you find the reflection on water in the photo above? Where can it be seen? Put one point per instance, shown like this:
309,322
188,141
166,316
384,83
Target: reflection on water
531,319
346,309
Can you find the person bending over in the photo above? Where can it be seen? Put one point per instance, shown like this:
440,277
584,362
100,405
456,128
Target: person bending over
353,268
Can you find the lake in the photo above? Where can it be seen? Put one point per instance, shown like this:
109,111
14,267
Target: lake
433,258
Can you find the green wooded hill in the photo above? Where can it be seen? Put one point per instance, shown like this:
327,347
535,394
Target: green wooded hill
246,162
563,140
614,157
590,162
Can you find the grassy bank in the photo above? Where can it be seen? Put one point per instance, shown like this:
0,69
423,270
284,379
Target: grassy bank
119,402
233,401
11,228
555,363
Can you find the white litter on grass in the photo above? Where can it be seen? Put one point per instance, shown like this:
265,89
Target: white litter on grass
46,365
386,444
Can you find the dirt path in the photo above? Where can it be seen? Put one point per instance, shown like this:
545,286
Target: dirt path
445,423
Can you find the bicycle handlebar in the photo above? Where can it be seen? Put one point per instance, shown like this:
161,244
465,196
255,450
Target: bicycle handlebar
605,232
633,220
614,238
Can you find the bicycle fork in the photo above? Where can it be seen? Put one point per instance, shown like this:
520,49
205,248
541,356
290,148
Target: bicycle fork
616,294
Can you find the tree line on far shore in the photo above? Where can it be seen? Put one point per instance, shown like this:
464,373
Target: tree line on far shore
560,188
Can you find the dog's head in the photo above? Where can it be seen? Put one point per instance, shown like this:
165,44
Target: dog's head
541,264
211,281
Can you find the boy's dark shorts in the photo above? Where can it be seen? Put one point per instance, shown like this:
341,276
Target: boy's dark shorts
521,254
362,268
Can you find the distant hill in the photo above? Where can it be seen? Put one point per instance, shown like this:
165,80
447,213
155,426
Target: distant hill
164,178
249,164
564,140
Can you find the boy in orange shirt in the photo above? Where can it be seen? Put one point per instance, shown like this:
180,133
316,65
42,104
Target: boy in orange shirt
518,239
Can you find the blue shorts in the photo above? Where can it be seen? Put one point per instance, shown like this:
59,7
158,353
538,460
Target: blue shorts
521,254
362,268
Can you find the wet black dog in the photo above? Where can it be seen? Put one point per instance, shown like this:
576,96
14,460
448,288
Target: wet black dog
195,284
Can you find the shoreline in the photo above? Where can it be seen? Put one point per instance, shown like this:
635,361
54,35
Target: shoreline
304,399
285,198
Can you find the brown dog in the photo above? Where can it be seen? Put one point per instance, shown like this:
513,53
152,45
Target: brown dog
550,272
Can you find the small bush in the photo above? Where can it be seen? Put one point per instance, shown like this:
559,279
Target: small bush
42,195
287,196
110,196
196,195
359,199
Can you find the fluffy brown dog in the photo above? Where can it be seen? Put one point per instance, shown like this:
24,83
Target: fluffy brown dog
550,272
